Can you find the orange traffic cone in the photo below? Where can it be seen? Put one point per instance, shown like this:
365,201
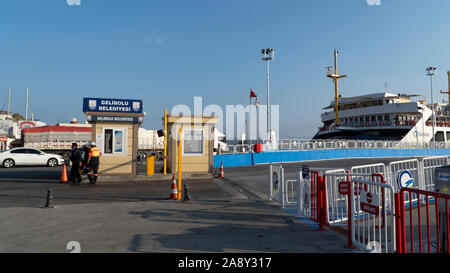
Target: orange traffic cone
64,175
221,174
174,190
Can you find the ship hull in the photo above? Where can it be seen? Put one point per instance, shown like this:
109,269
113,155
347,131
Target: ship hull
394,135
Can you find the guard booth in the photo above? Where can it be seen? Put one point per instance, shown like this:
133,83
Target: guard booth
115,124
197,143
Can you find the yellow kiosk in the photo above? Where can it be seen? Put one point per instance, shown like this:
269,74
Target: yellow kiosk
115,124
197,143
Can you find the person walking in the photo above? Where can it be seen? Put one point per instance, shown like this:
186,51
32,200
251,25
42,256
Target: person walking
93,163
85,152
76,160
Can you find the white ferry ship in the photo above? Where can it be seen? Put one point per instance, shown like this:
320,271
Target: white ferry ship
386,116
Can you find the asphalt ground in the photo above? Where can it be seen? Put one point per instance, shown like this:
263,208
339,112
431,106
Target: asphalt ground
237,226
28,186
226,215
138,217
255,178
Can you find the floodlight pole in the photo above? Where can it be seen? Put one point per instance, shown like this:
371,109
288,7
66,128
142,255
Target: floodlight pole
431,73
269,124
268,56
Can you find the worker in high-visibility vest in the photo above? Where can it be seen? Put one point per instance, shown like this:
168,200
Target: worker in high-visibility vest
93,163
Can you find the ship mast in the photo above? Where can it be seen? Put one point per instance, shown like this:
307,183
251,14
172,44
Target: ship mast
26,107
336,78
9,103
448,91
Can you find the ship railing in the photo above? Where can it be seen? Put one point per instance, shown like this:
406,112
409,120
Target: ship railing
377,123
302,144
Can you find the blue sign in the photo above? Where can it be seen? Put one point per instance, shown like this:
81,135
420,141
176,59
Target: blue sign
405,180
112,105
443,177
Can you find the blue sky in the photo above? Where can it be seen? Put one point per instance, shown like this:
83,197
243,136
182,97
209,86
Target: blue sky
167,52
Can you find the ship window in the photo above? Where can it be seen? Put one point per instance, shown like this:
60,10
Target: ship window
386,117
380,118
367,119
373,118
439,136
361,119
448,136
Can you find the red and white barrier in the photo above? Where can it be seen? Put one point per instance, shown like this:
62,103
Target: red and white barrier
308,195
371,203
413,237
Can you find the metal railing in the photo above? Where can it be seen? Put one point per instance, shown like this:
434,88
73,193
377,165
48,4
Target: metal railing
364,201
301,145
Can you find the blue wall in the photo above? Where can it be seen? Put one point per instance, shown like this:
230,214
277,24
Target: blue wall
234,160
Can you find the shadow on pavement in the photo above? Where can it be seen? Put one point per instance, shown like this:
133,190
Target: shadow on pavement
231,228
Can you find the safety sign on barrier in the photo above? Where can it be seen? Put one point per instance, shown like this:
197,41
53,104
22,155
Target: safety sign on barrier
405,179
370,202
276,180
305,171
306,196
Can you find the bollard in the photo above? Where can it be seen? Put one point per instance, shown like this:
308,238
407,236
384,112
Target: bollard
49,203
186,195
150,165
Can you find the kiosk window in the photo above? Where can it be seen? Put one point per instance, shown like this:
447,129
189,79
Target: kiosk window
115,141
193,142
108,141
118,141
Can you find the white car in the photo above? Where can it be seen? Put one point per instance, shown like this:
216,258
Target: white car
29,157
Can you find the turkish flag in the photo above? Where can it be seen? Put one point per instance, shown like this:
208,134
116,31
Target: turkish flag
252,94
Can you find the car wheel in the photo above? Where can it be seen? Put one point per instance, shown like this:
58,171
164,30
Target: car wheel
52,162
8,163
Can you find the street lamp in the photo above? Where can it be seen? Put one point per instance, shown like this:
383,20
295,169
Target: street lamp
268,55
431,71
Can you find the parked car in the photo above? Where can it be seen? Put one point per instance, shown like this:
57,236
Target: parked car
29,157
